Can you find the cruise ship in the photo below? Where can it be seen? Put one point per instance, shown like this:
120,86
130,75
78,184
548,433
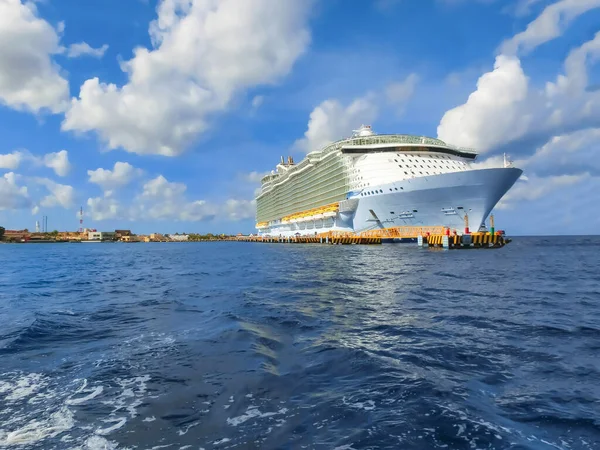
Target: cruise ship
375,181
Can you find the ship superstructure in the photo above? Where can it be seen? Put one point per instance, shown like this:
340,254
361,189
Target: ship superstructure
372,181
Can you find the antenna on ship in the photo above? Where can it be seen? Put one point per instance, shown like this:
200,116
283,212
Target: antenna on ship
81,220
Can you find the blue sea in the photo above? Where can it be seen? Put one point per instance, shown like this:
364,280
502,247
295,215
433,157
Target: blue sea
275,346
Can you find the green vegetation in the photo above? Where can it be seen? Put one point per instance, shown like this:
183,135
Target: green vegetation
2,229
206,237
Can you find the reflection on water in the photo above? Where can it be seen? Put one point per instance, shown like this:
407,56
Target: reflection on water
230,345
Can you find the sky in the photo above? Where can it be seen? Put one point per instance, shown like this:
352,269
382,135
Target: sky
162,115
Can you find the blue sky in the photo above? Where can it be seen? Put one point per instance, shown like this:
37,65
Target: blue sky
161,115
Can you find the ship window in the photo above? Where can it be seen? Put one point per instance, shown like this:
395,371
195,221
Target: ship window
402,188
392,212
395,160
396,188
414,210
390,189
459,207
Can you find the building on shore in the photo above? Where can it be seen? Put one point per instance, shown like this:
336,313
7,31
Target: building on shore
120,234
179,237
101,236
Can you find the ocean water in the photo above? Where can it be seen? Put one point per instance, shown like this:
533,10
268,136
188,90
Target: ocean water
270,346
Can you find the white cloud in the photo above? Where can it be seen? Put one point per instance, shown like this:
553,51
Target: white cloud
29,79
537,187
59,162
568,154
575,79
254,177
205,52
59,194
549,25
84,49
492,113
523,7
13,196
257,101
400,92
331,121
121,175
105,208
162,199
161,188
505,108
11,160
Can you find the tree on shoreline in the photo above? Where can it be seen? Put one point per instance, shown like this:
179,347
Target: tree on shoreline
2,229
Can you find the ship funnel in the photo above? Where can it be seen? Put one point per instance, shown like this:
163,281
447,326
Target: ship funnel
282,161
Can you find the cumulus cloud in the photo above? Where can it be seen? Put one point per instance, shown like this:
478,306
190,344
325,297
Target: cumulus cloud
11,160
568,154
204,52
29,79
105,208
59,194
59,162
121,175
549,25
537,187
161,199
254,177
84,49
13,196
492,114
400,92
507,111
331,121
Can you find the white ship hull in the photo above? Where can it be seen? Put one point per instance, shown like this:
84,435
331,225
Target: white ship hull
437,200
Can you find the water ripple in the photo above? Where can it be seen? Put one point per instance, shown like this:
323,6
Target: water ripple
225,345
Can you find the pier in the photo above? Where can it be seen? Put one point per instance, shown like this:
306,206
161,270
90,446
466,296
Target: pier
435,236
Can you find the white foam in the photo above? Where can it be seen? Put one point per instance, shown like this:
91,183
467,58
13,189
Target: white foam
36,430
368,405
24,386
120,422
222,441
99,443
149,419
79,400
251,413
186,429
